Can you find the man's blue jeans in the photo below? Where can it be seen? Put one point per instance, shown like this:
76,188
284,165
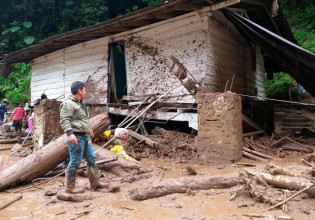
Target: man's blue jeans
82,150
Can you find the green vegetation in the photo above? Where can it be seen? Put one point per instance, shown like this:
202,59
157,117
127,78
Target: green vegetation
16,87
301,17
280,86
30,21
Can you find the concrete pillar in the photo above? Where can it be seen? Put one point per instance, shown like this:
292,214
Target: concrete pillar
219,128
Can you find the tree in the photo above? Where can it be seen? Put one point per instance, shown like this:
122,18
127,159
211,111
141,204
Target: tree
16,87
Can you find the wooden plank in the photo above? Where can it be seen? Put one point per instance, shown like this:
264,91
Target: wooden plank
251,122
187,7
253,133
223,4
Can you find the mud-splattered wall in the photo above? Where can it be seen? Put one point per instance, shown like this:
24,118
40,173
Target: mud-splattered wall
46,122
219,128
205,42
148,56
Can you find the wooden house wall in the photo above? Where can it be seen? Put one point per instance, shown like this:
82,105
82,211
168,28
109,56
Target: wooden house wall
148,56
255,70
208,49
55,72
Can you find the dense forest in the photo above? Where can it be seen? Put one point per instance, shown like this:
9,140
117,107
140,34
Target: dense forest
27,22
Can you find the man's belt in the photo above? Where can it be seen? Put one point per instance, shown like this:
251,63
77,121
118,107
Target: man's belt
79,133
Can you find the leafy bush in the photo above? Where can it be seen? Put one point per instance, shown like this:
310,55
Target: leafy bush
280,86
16,87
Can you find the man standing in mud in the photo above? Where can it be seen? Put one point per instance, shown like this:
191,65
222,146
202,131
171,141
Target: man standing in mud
75,123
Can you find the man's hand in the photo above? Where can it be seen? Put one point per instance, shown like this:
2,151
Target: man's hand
73,139
91,133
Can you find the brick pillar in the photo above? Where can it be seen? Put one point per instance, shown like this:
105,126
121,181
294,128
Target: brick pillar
219,128
46,122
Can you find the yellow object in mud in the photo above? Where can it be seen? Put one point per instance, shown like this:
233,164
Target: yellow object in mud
103,137
107,134
120,151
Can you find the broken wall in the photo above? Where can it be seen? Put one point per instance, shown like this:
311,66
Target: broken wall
46,122
219,128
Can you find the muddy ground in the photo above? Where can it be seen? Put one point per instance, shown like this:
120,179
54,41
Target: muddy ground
194,204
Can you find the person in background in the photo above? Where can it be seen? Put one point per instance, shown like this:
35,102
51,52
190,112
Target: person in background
3,109
18,115
43,96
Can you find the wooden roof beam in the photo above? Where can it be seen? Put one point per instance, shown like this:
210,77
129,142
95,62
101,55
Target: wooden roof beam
254,2
136,23
187,7
158,16
223,4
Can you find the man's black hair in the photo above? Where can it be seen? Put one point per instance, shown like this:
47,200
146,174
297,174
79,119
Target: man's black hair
76,86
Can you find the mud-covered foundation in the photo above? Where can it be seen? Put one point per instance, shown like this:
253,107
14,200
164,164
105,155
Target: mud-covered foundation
219,128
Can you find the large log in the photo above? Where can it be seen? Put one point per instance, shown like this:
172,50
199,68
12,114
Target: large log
47,158
285,182
182,185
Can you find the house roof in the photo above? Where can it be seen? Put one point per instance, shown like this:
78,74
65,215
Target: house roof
256,10
290,57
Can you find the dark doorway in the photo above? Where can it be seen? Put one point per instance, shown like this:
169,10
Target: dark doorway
117,79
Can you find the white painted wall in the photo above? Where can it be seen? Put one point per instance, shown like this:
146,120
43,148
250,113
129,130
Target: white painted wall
207,44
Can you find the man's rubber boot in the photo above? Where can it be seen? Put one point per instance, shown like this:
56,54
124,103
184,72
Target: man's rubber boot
70,183
94,178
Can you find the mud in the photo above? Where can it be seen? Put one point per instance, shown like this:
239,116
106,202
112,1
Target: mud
194,204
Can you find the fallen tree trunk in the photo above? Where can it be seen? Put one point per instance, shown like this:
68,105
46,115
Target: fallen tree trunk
182,185
10,141
285,182
47,158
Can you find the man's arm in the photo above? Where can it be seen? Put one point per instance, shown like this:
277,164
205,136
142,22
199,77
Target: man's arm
66,111
13,113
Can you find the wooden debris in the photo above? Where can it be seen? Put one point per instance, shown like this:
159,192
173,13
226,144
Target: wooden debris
291,147
271,217
291,197
145,139
10,141
11,202
257,153
254,157
277,170
303,145
253,133
182,185
285,182
278,141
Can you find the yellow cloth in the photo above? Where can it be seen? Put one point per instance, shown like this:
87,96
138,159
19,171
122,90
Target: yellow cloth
120,151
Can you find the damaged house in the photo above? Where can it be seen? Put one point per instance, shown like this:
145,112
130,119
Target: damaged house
129,58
